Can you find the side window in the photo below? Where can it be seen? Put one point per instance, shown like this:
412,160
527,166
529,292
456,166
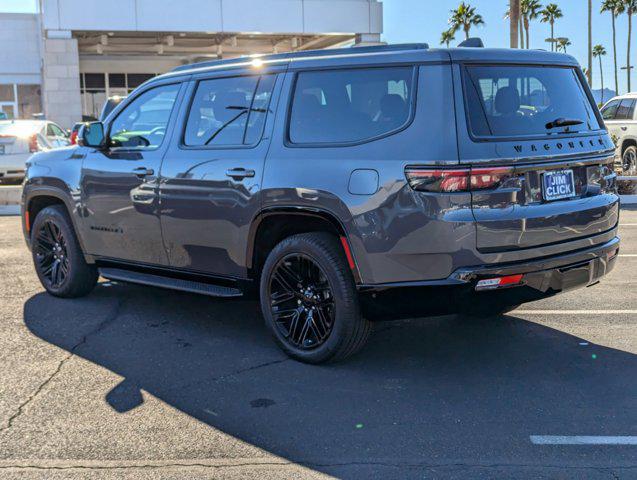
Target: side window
229,111
142,124
608,112
53,130
625,110
344,106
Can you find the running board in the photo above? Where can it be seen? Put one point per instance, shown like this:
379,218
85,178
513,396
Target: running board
211,290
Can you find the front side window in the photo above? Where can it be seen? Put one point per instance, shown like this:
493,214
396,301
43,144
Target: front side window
345,106
507,101
229,111
142,124
609,110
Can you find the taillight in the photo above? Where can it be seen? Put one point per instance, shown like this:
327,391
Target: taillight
73,138
449,180
34,146
438,180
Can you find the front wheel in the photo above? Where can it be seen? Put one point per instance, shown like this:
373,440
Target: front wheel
57,255
629,161
309,299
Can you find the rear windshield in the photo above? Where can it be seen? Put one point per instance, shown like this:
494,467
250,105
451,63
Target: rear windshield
505,101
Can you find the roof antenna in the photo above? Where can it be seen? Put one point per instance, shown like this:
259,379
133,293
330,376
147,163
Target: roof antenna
473,42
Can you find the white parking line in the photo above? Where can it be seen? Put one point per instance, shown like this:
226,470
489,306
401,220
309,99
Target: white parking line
582,440
574,312
628,254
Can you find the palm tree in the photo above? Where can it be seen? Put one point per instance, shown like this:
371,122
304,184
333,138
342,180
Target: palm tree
447,37
599,51
464,17
616,8
589,76
514,22
551,13
529,10
561,45
631,7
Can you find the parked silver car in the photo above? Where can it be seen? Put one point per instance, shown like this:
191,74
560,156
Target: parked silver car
620,117
19,139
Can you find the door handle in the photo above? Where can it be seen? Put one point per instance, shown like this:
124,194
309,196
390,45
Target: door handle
239,173
143,171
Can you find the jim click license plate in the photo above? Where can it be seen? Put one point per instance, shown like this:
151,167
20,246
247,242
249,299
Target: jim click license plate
558,184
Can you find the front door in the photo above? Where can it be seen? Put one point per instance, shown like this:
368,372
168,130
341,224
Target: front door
211,178
119,184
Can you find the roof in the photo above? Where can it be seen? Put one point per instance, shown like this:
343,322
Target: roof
410,52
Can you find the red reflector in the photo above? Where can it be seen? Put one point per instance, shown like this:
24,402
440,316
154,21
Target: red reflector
27,222
348,253
497,282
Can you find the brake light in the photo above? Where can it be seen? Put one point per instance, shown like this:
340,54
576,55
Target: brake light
73,138
499,282
438,180
489,178
444,180
34,146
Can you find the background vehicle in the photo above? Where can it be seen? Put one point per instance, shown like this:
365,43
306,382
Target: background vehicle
19,139
620,117
110,105
343,185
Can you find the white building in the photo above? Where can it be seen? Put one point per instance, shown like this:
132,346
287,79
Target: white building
65,61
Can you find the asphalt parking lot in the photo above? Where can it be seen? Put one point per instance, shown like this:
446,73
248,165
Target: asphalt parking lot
137,382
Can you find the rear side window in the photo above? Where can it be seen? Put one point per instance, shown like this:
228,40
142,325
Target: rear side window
346,106
229,111
625,110
504,101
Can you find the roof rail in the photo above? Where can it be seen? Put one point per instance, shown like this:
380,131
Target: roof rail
306,53
473,42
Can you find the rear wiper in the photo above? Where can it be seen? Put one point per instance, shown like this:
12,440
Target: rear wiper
563,122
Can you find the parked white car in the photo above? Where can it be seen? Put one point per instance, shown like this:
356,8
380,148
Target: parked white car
620,117
19,139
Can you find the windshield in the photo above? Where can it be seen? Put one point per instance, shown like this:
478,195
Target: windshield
504,101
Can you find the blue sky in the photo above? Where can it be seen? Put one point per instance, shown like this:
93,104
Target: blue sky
424,20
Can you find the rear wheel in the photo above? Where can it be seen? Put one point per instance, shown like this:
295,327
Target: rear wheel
57,255
309,299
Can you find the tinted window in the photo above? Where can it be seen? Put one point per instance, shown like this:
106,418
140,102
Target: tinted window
343,106
522,100
625,110
143,122
228,111
608,112
54,130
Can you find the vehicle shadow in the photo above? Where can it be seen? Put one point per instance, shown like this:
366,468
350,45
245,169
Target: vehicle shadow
447,391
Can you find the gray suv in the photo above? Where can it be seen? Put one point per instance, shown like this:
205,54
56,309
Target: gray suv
340,186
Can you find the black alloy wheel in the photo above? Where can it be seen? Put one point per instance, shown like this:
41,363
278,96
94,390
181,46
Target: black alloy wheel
52,259
301,301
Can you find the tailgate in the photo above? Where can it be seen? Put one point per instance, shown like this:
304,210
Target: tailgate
10,145
525,210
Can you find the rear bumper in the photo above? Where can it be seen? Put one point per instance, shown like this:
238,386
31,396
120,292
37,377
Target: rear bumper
541,278
13,165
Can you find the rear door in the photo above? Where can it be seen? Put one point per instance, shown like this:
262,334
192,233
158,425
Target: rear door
540,160
211,176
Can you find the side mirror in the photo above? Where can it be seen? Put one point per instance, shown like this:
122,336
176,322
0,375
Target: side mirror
92,135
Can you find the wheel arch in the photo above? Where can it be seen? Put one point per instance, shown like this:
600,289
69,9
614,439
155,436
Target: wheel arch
37,199
627,142
274,224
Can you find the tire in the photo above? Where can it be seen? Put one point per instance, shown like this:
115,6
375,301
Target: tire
317,263
629,160
53,240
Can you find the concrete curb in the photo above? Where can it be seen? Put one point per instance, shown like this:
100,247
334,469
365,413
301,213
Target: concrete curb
10,195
